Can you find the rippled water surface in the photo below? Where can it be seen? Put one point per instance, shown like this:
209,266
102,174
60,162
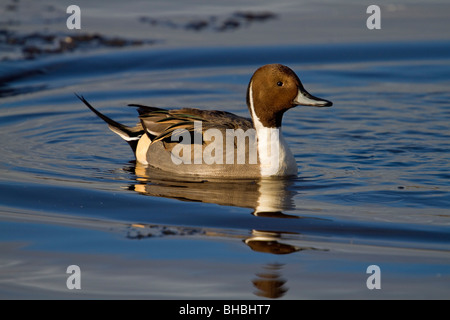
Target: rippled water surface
373,184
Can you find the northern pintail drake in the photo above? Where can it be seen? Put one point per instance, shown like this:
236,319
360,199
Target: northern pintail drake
219,144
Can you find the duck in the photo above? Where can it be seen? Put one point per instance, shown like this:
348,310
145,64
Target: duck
219,144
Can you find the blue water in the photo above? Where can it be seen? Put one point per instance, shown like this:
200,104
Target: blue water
373,184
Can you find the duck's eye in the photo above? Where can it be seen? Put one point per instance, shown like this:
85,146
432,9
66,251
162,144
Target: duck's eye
279,83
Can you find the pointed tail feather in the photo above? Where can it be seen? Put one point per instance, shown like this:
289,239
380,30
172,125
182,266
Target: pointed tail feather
130,135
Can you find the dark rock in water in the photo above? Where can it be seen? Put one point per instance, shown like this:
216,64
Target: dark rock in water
35,44
214,23
197,25
229,24
255,16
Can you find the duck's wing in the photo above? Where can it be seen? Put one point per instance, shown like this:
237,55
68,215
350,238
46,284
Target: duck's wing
161,124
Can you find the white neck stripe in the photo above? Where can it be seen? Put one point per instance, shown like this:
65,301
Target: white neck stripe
256,121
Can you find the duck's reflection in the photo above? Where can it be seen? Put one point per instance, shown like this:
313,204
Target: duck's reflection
269,283
269,242
266,198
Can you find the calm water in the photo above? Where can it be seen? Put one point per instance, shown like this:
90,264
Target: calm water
373,184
